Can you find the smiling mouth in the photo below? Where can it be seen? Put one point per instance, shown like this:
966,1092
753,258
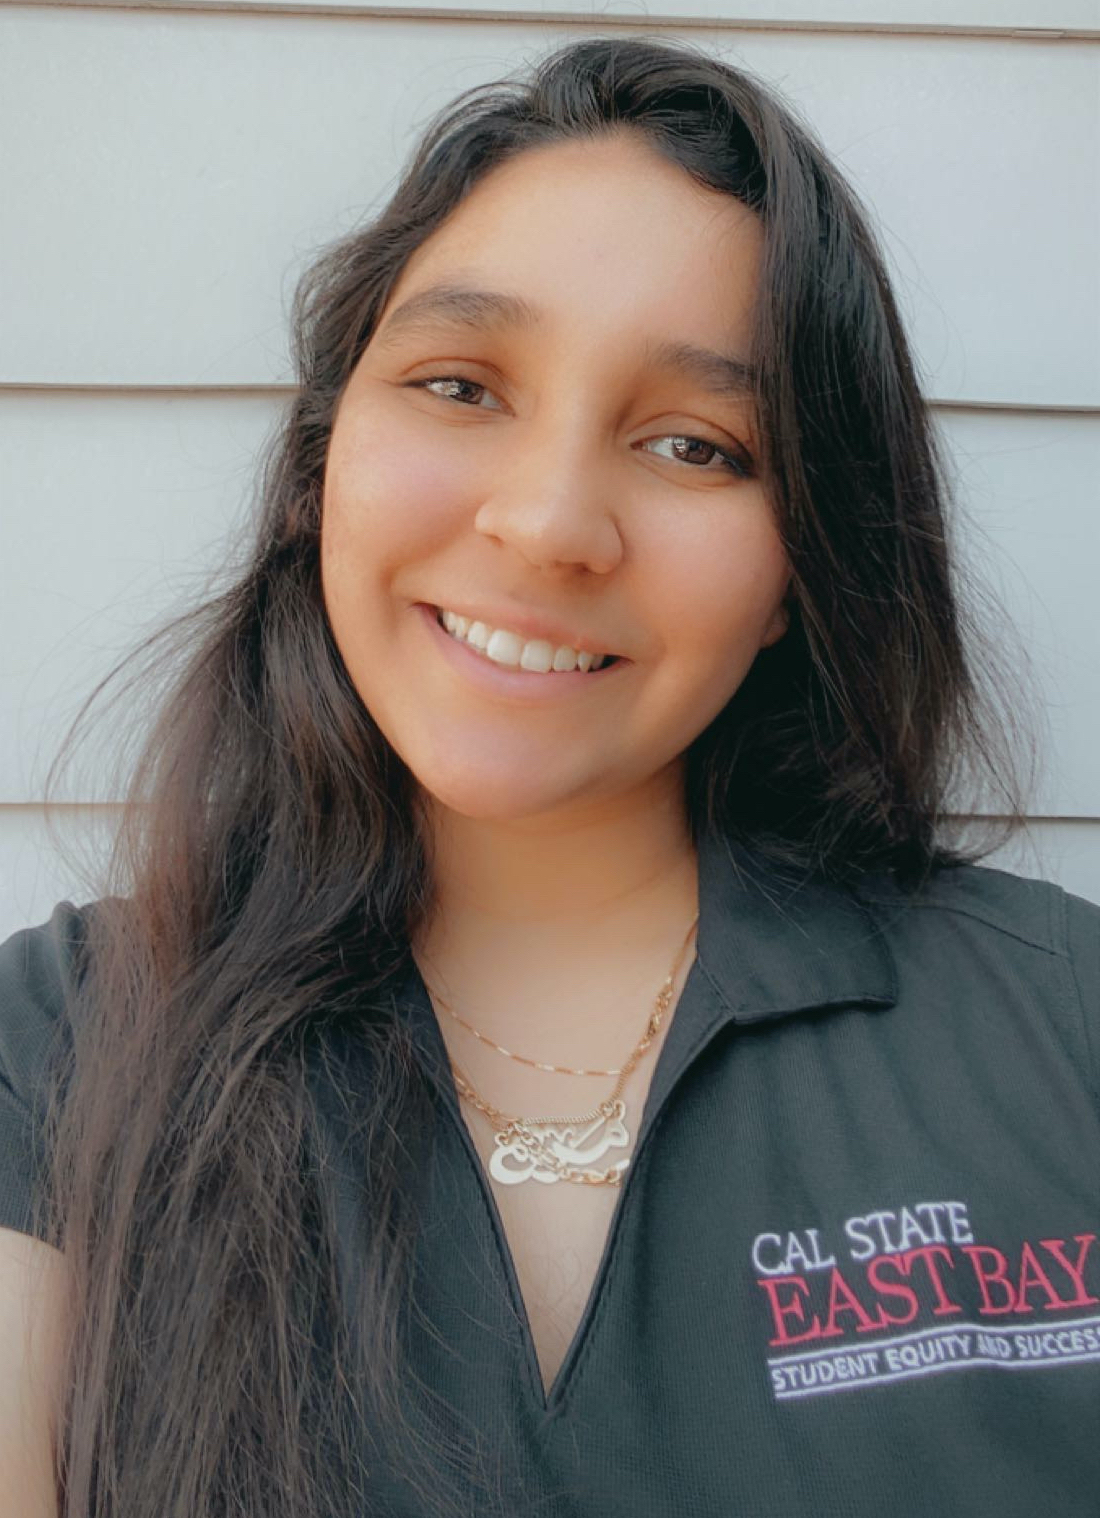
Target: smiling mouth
505,648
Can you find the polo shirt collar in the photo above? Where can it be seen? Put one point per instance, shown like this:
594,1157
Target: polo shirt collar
765,949
773,947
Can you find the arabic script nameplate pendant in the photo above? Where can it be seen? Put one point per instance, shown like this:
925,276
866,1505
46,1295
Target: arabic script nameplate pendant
525,1153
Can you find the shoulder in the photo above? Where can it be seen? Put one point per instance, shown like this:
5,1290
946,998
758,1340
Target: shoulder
40,959
39,968
995,942
1034,913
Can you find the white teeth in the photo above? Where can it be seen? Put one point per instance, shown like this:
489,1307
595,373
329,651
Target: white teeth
508,648
504,647
537,656
456,624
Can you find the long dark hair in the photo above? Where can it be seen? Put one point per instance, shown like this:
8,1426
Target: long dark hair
271,865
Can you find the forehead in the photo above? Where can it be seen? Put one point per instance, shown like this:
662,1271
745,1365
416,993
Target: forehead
601,236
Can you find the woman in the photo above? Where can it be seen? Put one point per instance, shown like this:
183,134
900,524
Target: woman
557,797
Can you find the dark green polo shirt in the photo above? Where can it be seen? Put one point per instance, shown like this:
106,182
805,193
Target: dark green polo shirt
853,1268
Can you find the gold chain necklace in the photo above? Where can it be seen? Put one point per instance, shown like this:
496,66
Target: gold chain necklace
568,1143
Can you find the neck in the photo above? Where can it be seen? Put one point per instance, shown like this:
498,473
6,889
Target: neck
570,911
557,871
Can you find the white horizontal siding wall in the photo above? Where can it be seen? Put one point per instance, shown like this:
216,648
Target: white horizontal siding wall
180,167
1046,18
177,165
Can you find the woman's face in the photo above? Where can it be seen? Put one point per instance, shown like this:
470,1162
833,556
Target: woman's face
556,458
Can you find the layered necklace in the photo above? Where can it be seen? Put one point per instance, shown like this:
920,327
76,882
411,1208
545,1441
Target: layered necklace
564,1148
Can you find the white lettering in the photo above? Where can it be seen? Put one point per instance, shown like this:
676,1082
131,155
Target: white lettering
934,1210
789,1254
911,1231
853,1228
961,1232
893,1232
772,1240
818,1263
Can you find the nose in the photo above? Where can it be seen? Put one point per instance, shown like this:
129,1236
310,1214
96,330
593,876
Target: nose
553,499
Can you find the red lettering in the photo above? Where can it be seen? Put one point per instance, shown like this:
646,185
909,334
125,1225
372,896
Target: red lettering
843,1299
793,1307
1076,1271
892,1289
997,1276
928,1256
1033,1274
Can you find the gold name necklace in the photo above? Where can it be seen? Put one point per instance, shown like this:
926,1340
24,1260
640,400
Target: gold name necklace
553,1149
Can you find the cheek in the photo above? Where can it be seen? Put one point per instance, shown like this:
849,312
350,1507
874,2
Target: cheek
386,502
730,595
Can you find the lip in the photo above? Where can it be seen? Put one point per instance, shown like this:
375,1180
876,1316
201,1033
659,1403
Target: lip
507,680
530,626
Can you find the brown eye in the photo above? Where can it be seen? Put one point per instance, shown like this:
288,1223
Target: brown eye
686,450
453,382
689,448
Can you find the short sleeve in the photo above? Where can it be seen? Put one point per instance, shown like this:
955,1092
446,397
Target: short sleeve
36,967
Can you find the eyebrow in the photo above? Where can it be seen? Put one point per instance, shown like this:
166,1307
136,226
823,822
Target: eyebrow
723,374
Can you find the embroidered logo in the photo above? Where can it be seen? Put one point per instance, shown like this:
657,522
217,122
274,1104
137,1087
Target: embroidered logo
910,1292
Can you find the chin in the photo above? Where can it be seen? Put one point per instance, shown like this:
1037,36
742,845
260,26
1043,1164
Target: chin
491,795
501,805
